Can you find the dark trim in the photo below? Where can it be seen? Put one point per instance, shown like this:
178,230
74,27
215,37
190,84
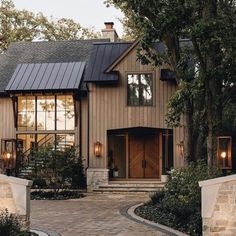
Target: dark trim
4,95
80,128
15,110
88,128
75,110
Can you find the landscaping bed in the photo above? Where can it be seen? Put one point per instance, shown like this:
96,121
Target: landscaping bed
52,195
179,205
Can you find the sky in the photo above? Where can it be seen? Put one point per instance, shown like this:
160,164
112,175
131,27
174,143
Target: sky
88,13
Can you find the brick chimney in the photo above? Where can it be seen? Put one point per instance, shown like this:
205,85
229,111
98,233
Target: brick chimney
109,32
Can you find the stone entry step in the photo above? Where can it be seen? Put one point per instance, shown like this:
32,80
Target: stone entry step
131,187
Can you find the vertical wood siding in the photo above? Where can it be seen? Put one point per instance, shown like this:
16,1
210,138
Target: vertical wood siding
7,129
109,110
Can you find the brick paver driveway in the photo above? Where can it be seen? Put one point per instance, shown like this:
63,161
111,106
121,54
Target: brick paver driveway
96,214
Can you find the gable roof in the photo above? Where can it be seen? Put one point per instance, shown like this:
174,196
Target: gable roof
102,56
46,77
42,52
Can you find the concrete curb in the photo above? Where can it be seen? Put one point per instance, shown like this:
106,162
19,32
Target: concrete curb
43,232
159,227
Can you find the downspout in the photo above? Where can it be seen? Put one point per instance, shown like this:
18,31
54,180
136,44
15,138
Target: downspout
88,128
80,128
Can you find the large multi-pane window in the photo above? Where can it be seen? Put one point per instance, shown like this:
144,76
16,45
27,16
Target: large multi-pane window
45,113
140,90
45,120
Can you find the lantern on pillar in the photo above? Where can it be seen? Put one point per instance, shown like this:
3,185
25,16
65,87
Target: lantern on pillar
224,152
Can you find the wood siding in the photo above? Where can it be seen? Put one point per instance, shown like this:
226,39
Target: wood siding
7,129
108,109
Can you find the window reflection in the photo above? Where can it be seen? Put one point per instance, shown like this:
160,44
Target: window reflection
139,90
31,141
65,113
44,110
26,113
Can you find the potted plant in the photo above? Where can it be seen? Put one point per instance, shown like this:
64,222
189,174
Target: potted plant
164,176
115,171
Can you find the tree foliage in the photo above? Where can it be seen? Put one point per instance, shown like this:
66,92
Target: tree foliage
23,25
205,69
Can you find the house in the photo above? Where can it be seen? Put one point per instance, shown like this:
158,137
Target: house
94,94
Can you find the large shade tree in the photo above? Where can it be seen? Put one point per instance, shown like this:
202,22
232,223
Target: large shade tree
207,86
23,25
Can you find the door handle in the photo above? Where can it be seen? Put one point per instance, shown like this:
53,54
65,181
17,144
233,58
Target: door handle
144,164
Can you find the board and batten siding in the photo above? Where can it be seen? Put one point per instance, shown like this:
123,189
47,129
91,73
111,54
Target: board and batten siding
108,108
7,129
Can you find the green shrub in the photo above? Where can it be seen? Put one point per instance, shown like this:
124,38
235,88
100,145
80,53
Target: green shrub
179,204
60,168
10,225
39,182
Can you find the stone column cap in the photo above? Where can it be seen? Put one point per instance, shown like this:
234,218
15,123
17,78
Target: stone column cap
14,180
218,180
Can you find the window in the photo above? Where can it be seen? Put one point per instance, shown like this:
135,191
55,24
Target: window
45,113
139,90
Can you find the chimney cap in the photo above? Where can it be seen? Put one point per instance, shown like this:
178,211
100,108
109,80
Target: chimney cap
109,24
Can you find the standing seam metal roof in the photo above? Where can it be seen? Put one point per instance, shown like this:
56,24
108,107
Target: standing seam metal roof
103,55
46,76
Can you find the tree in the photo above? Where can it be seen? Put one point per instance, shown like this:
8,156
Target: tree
22,25
207,86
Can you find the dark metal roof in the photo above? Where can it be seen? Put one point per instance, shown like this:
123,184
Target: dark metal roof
102,56
46,77
42,52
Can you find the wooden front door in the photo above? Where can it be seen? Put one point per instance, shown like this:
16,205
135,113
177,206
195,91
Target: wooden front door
143,156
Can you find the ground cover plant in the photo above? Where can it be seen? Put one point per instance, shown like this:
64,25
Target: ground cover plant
52,195
179,204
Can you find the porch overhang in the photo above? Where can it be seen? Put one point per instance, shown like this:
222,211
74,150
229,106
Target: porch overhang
46,78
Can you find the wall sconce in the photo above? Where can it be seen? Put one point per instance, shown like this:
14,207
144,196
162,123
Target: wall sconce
180,148
224,152
97,149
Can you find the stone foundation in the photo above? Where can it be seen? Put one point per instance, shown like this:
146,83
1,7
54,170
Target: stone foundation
96,177
219,206
15,197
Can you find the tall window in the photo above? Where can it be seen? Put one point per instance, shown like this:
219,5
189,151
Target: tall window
140,90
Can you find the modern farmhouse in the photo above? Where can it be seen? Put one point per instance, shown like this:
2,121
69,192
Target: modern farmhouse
93,94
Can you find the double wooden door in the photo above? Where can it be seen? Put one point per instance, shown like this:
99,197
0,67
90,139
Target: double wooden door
144,156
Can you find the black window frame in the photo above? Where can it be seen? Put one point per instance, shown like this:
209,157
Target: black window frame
140,99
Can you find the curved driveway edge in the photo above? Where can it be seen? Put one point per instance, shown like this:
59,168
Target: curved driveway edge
167,230
93,215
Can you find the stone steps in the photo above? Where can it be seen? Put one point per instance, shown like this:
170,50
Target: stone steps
131,187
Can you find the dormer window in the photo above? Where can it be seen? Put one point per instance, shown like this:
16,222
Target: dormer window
140,89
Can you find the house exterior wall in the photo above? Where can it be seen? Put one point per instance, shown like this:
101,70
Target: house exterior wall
108,109
7,129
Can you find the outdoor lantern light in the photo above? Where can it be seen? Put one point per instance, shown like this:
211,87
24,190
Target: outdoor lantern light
97,149
7,159
224,150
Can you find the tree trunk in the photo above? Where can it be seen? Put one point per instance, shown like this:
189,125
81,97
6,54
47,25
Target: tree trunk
212,87
188,133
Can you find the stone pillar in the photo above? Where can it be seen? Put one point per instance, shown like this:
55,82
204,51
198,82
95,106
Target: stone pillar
15,196
96,177
219,206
